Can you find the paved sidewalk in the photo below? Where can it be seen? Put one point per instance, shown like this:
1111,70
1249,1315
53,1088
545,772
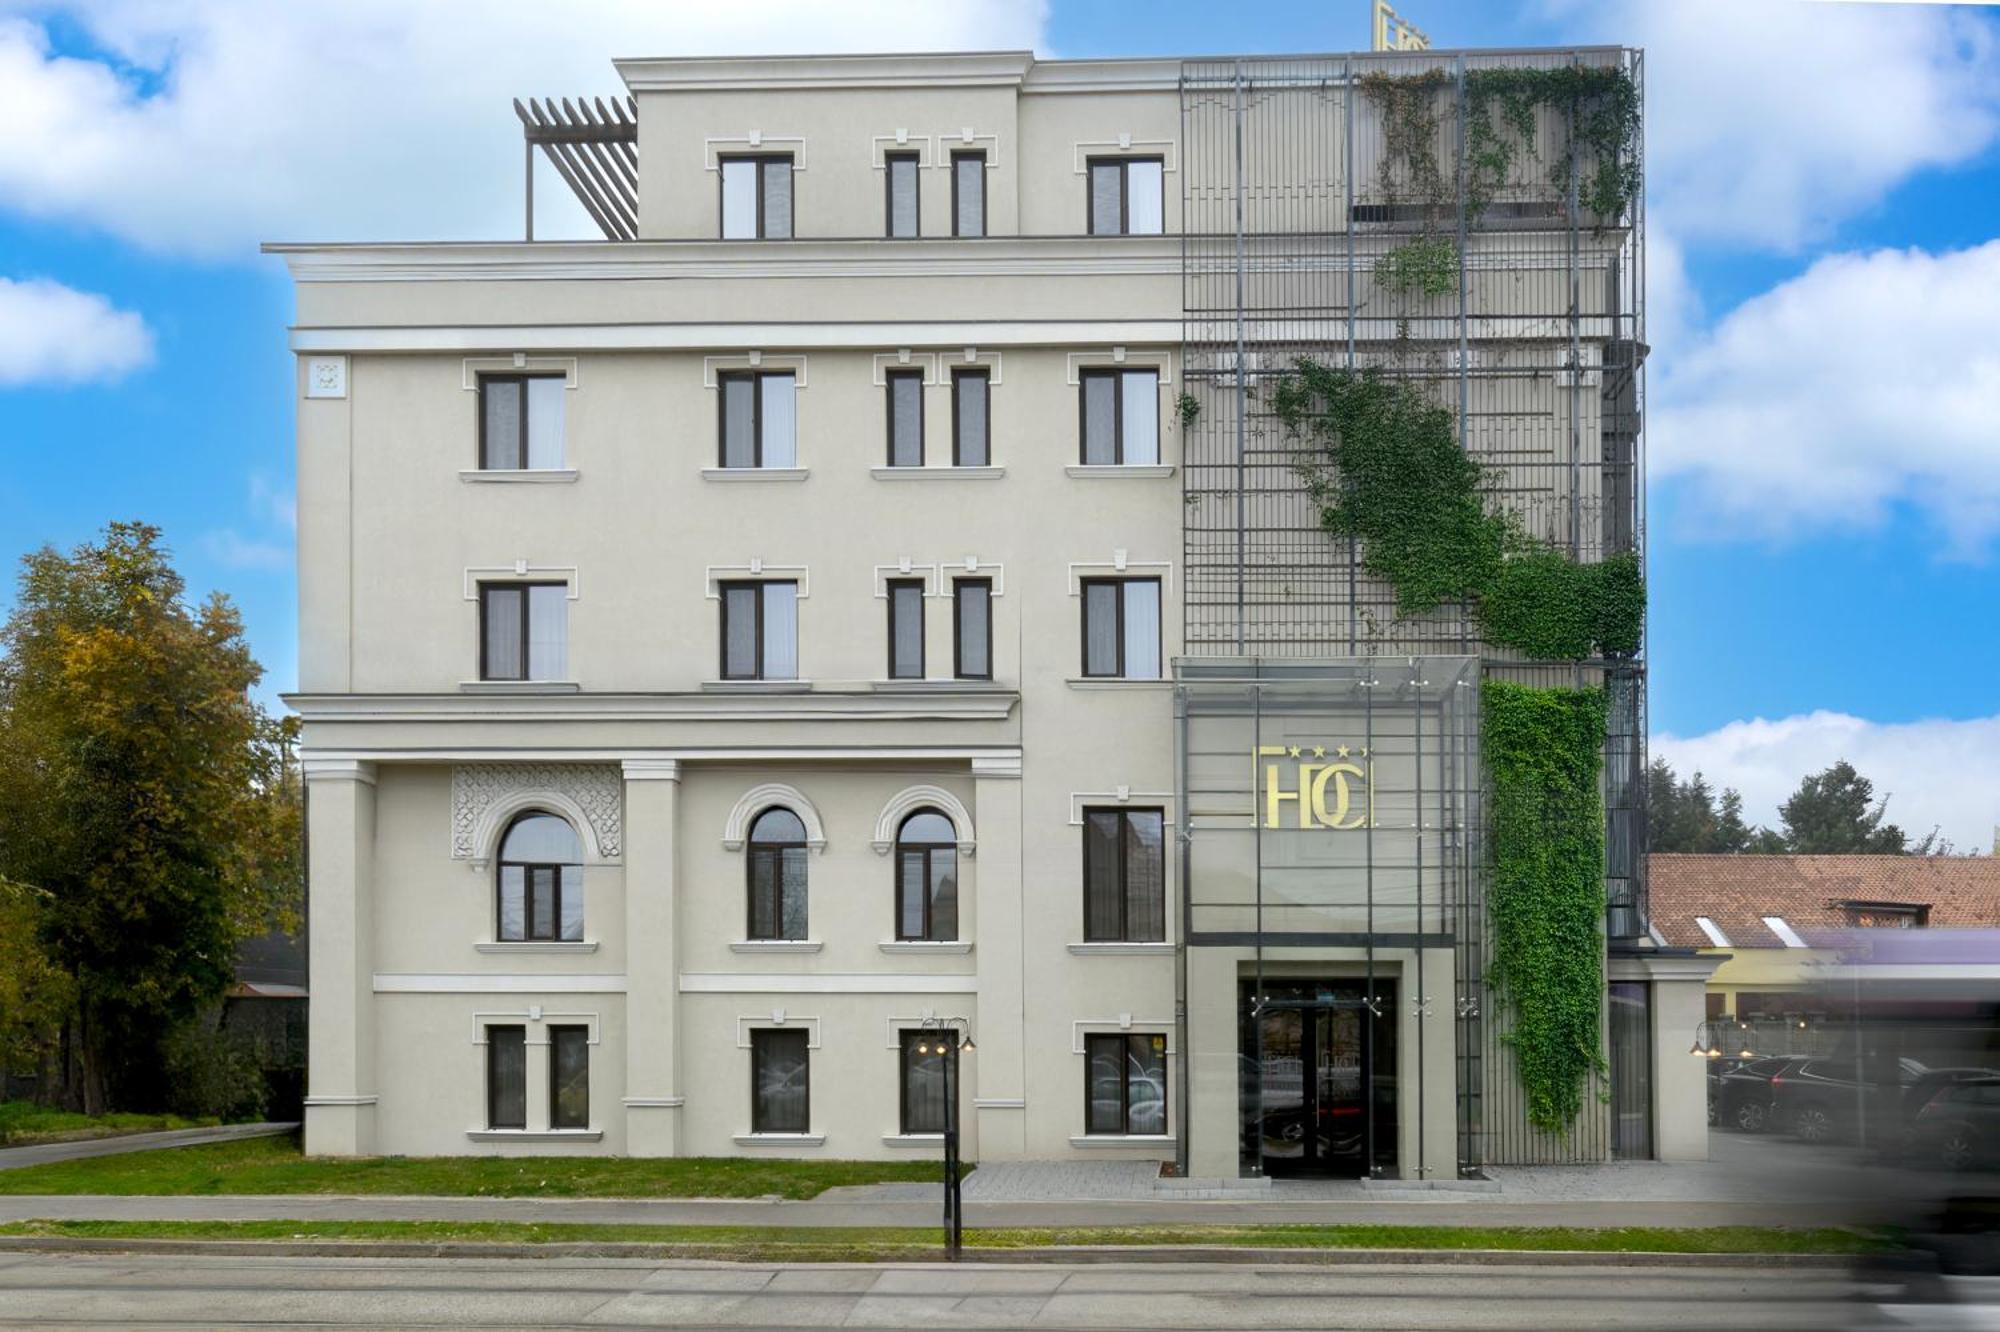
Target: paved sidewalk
42,1153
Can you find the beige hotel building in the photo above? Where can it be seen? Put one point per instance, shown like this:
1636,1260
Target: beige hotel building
860,593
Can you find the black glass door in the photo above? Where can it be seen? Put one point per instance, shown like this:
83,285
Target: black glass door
1312,1067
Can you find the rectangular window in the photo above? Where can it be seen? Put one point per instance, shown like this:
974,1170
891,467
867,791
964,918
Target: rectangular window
569,1077
780,1087
923,1083
759,418
1127,196
777,891
507,1077
1125,1084
968,194
1121,628
906,629
901,171
970,418
1120,417
906,417
760,631
757,197
927,892
523,631
972,628
1124,876
540,902
520,422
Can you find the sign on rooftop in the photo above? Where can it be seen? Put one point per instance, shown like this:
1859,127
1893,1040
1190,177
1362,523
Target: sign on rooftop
1392,32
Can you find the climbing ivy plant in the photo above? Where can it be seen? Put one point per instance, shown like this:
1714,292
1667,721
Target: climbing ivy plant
1543,748
1600,108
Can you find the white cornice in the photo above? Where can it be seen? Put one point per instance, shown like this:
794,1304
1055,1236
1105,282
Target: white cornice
1102,76
710,337
956,69
823,705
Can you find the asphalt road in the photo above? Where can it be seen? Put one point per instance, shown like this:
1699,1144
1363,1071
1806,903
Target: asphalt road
49,1290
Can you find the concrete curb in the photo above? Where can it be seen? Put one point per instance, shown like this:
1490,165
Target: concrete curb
1094,1255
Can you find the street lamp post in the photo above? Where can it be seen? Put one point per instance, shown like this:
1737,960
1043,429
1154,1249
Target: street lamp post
953,1035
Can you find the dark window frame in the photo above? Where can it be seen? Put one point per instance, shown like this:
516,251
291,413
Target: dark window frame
926,852
1083,597
759,1038
1122,888
528,870
773,852
916,162
959,375
722,194
907,1039
493,1120
527,603
923,656
1117,375
755,378
890,379
1124,1041
557,1031
969,154
1123,162
479,422
723,588
958,670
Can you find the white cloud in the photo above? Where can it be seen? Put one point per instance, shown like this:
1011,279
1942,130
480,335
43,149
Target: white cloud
1943,774
204,126
52,334
1769,123
1867,381
231,549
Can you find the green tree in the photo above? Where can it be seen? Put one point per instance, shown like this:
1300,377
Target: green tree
145,797
1688,816
1835,812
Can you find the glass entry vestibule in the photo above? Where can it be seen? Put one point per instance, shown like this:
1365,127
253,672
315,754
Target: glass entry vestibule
1319,1077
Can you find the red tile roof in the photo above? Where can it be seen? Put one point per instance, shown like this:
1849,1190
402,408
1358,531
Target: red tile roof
1962,892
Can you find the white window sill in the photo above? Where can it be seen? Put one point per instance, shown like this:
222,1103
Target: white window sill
753,473
537,946
781,1140
1152,1140
518,476
756,686
920,1140
519,687
1117,682
1112,949
951,686
934,947
1118,471
535,1135
937,473
775,946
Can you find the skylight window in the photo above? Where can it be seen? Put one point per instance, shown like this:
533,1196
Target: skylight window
1713,931
1777,926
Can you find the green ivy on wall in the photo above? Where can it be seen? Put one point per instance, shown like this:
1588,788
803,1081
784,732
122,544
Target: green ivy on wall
1545,901
1599,105
1389,472
1426,266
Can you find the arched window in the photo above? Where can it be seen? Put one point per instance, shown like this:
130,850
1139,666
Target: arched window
541,879
927,877
777,869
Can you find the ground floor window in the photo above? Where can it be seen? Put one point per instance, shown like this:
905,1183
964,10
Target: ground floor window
1631,1014
923,1096
780,1086
569,1077
1125,1084
507,1077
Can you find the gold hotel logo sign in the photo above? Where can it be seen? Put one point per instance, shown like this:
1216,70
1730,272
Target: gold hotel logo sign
1324,791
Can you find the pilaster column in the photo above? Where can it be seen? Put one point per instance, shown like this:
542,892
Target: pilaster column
652,957
340,920
1000,1088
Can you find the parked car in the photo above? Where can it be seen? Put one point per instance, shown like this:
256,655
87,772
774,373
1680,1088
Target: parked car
1739,1092
1821,1100
1958,1126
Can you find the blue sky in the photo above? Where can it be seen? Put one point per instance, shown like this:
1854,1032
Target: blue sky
1825,498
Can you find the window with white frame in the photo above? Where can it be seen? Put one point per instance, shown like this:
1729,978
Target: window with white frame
523,631
757,197
1119,417
760,630
1127,196
521,422
1125,1084
758,424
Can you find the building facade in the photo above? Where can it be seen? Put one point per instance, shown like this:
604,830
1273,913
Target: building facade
859,596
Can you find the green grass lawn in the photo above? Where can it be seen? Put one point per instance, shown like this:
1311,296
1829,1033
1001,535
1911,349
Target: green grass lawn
275,1165
23,1122
864,1244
